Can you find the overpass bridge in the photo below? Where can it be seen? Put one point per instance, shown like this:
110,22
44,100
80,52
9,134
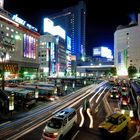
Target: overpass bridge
96,69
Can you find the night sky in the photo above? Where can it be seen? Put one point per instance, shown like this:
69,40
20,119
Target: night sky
103,16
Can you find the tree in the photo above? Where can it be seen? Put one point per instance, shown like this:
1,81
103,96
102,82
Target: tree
113,71
1,72
21,73
132,71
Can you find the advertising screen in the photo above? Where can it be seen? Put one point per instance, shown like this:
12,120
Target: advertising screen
68,43
97,51
29,47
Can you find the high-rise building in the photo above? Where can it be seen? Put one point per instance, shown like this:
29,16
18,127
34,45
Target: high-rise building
127,47
73,20
52,55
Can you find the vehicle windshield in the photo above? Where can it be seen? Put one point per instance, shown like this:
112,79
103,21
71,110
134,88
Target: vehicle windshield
112,120
55,123
114,88
124,97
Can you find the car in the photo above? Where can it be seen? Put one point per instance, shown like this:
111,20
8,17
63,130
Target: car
124,90
115,93
124,99
115,123
60,124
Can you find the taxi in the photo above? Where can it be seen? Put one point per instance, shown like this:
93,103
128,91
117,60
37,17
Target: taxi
115,123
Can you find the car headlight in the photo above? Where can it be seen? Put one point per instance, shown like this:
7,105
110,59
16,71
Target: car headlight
44,130
100,126
131,114
112,131
117,96
55,134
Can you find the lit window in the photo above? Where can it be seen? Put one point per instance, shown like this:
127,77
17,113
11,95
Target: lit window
7,34
7,28
12,30
1,25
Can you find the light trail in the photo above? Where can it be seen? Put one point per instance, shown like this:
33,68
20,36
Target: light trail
82,117
95,95
90,117
100,95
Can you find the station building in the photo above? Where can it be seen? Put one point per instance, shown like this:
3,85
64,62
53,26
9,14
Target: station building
127,47
18,42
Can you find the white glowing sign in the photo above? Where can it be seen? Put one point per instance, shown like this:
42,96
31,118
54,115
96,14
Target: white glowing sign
1,3
23,22
48,25
54,30
96,51
19,20
105,52
59,31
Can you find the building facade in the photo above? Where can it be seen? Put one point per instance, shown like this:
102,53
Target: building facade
22,38
73,20
127,47
52,55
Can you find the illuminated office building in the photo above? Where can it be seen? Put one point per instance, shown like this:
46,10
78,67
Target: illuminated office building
73,20
127,47
52,55
23,37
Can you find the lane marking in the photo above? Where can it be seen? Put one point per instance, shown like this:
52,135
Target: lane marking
75,135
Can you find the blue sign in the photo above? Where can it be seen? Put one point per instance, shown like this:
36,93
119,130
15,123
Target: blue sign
119,57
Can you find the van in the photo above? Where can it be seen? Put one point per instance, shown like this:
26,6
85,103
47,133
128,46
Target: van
60,124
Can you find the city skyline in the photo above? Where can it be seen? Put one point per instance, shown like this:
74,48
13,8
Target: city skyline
102,17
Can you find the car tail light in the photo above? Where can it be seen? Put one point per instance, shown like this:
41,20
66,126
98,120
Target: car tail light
51,135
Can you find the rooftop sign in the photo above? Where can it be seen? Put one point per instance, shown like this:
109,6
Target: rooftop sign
23,22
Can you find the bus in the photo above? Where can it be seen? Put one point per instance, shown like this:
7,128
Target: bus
44,93
56,90
22,97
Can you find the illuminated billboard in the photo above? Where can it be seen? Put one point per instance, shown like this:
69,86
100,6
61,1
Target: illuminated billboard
97,51
57,30
68,43
23,22
103,52
1,3
48,25
29,47
54,30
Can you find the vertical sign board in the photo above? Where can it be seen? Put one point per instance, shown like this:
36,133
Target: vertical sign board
119,60
11,102
36,93
125,58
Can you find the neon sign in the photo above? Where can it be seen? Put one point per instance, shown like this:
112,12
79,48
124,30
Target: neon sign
23,22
